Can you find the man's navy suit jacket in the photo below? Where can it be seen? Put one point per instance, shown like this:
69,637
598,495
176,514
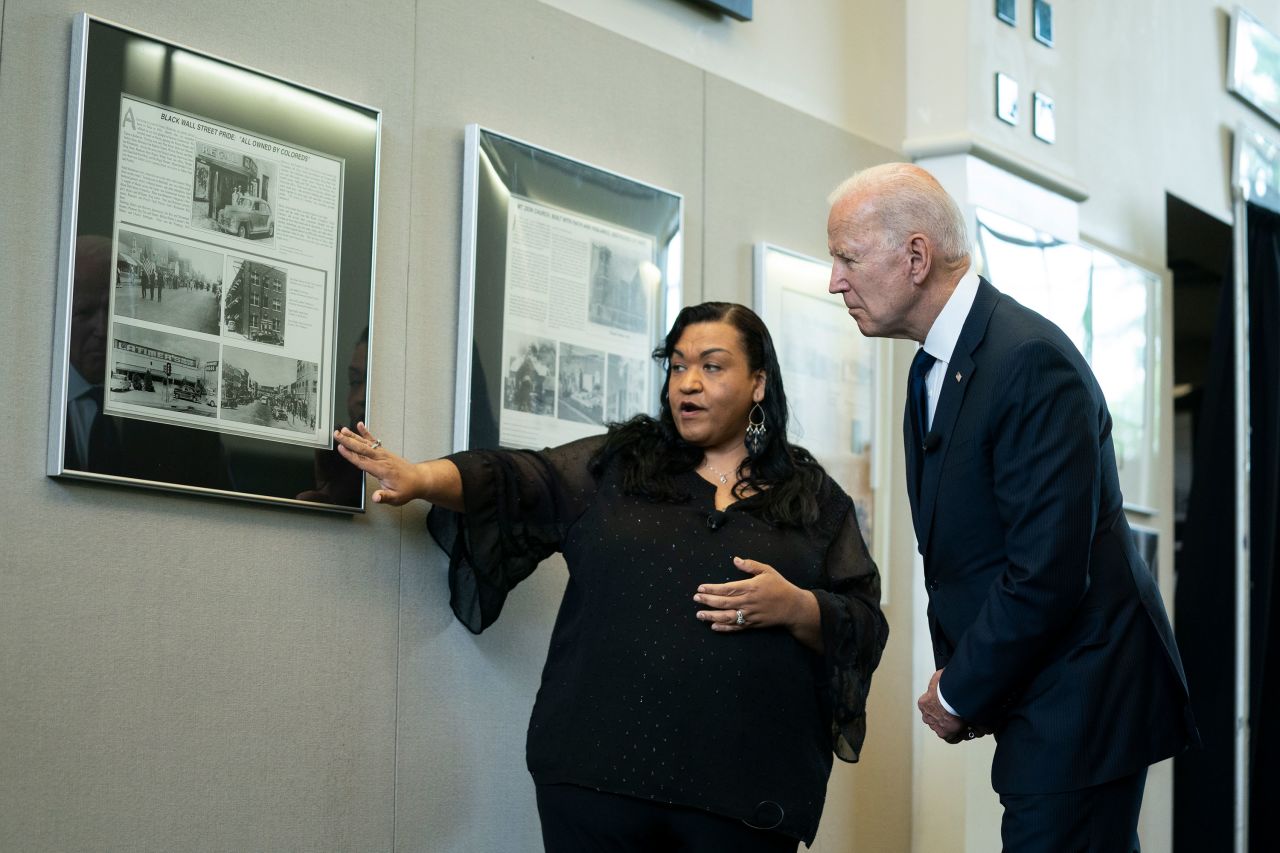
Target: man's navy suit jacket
1049,626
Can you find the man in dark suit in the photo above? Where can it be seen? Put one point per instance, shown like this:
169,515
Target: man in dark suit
1047,629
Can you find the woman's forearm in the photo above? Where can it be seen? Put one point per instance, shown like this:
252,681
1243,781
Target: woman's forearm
807,624
440,484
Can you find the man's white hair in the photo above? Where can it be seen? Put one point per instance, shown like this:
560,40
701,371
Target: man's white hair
907,199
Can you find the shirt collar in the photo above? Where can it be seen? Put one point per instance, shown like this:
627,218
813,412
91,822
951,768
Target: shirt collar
945,332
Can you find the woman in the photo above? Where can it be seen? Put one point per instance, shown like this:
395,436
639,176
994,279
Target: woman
649,730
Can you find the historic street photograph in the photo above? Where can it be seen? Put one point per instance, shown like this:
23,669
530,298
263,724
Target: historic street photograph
162,370
233,193
164,282
255,303
529,383
269,390
581,385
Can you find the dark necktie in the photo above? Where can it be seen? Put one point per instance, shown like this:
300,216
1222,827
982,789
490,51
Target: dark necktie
918,393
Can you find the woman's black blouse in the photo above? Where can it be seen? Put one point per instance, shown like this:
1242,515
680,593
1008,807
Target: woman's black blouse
639,697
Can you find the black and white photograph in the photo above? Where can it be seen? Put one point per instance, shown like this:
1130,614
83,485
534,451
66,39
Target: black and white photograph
255,302
168,283
233,193
617,295
530,381
162,370
269,390
581,385
625,382
163,210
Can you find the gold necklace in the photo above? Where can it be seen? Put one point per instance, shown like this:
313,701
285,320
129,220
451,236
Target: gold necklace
724,478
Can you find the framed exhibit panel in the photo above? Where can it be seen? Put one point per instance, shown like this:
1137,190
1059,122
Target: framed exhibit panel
1253,64
215,281
1110,309
570,278
831,375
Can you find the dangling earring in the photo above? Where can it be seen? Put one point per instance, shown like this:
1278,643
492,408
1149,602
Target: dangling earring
757,432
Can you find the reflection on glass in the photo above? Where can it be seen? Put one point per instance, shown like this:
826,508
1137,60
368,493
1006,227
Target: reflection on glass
1104,305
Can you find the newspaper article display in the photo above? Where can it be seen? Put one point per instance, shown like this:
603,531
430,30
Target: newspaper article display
580,302
829,375
223,298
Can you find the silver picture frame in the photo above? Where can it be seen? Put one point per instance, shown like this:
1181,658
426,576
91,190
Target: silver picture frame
1042,22
185,177
570,275
1006,89
1044,123
1253,49
1007,11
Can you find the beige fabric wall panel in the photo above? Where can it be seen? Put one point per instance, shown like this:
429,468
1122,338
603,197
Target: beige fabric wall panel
769,171
184,673
524,69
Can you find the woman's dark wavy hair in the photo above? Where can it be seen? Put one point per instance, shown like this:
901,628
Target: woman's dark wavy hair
650,453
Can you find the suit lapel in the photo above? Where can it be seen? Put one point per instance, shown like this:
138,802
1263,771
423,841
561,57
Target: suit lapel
960,372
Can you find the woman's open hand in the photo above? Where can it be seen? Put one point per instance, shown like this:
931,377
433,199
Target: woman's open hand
399,480
763,600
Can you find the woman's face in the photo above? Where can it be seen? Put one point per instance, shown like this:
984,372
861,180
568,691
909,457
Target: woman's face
711,387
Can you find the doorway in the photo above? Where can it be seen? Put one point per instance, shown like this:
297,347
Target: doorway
1200,258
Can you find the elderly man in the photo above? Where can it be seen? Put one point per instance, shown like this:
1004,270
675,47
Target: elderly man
1047,629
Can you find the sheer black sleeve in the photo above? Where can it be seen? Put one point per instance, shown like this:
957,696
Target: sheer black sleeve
517,506
854,630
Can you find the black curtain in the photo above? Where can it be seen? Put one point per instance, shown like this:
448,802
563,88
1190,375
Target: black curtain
1264,319
1205,597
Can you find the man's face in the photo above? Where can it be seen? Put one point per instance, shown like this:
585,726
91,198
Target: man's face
87,347
872,276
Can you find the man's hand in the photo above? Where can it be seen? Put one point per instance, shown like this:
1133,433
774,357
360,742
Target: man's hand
945,725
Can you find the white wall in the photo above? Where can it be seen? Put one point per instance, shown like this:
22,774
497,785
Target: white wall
838,61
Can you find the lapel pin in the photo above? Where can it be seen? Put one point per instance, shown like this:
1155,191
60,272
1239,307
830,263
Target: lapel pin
958,376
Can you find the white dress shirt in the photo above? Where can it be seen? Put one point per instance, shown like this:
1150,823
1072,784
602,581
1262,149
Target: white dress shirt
941,344
944,333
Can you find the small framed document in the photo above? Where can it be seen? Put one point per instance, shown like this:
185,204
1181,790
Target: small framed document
570,279
215,280
1253,63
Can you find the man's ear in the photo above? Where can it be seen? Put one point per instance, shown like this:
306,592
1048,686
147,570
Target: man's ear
920,256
